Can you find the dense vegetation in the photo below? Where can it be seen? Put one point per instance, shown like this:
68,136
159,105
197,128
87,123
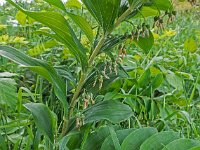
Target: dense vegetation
100,74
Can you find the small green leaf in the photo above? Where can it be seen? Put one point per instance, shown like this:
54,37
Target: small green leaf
144,79
145,43
146,12
44,119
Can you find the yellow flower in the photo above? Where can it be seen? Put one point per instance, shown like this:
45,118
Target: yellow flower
169,33
155,35
4,38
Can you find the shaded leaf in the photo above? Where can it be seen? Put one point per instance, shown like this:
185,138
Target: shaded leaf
40,67
95,139
44,119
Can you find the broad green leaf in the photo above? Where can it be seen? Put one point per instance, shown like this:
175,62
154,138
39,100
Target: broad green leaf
57,3
44,119
108,143
190,45
40,67
62,29
182,144
111,110
83,24
135,139
145,43
159,140
21,18
105,12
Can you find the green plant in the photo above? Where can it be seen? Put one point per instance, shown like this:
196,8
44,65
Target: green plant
77,108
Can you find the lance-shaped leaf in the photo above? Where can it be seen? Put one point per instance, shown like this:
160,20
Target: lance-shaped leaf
105,12
83,25
62,29
40,67
44,119
78,20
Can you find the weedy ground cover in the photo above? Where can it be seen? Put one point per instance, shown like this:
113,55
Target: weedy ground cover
74,76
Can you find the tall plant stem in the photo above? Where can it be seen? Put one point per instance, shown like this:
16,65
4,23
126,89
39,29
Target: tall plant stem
80,85
90,62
